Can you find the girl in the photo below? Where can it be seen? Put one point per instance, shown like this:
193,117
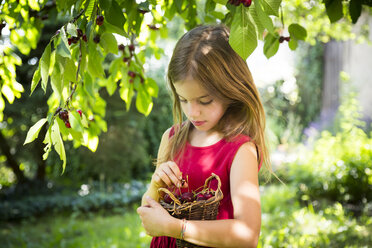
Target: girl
223,133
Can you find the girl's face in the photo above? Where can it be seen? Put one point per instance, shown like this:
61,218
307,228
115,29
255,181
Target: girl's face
203,110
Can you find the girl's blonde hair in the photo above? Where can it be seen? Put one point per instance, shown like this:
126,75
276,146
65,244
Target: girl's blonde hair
205,55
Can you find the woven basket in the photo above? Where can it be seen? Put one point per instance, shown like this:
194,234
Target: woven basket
196,210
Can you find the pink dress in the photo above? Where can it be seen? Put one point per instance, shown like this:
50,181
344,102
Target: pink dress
198,163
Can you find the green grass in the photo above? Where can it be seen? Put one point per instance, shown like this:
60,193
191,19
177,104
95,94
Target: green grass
122,229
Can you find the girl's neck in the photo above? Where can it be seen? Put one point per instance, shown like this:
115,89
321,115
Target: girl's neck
200,138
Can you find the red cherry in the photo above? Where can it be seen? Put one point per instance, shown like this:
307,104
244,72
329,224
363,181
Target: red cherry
201,197
79,32
208,195
63,115
247,3
85,38
131,47
167,199
131,74
67,124
187,197
80,112
281,39
69,40
97,39
121,47
99,20
126,59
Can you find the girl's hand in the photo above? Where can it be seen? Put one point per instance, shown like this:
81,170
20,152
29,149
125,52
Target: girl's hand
155,219
168,174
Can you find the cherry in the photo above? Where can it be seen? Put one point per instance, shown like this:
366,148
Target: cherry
167,199
99,20
131,74
97,39
126,59
84,37
79,32
67,124
187,197
121,47
63,115
131,47
69,40
80,112
75,39
208,195
282,39
201,197
247,3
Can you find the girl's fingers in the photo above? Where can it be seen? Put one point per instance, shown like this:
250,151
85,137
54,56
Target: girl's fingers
174,167
172,176
164,177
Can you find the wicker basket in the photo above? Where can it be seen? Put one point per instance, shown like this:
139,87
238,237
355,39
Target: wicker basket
196,210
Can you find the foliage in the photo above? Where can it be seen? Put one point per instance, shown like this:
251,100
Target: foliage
89,198
120,229
285,223
82,56
337,166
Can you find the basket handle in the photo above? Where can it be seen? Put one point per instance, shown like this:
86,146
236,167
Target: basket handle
213,176
175,200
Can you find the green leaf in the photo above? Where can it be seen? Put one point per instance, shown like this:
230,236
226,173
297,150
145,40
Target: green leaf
293,44
152,87
263,18
143,101
35,79
271,7
63,47
115,15
56,78
297,31
58,144
223,2
109,43
8,93
45,62
271,45
95,61
126,91
75,121
355,9
114,29
334,10
71,29
33,132
69,74
243,35
111,85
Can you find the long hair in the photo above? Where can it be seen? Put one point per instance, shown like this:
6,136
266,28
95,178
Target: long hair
205,55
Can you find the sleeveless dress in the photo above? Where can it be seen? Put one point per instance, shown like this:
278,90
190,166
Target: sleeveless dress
198,163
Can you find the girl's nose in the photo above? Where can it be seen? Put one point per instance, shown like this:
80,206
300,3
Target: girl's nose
193,110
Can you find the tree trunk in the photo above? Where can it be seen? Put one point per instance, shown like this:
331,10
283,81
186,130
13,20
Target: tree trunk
10,159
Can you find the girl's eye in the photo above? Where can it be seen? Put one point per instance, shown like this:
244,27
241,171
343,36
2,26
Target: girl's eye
182,100
206,103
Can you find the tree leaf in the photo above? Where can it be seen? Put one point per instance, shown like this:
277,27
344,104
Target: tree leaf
111,85
152,87
355,9
8,93
263,18
63,47
115,15
75,121
109,43
71,29
243,35
297,31
334,10
271,45
44,68
58,144
35,79
56,78
271,7
293,44
143,101
33,132
95,61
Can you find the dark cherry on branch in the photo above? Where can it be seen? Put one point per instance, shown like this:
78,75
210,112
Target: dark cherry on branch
80,112
121,47
63,115
97,39
131,47
99,20
84,37
67,124
79,32
131,74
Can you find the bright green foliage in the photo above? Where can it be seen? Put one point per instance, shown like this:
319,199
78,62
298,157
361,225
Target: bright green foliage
83,56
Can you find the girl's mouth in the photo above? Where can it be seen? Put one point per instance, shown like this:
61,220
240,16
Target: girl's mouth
198,123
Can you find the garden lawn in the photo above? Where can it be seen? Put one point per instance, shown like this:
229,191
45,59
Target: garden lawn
122,229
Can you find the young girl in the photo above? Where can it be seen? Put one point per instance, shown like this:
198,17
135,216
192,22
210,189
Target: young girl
223,133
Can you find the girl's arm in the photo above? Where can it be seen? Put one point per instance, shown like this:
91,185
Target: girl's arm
244,229
152,191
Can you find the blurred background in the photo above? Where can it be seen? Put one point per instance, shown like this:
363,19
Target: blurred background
318,108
